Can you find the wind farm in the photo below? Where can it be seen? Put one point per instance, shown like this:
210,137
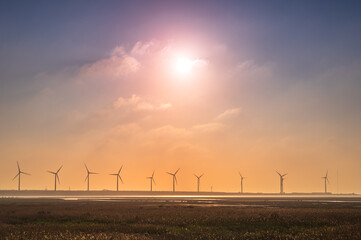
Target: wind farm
151,179
101,209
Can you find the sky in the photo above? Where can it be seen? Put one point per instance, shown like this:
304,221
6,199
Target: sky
210,87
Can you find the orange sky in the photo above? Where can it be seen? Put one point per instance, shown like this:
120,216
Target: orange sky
163,119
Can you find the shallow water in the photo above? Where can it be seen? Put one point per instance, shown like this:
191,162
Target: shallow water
202,199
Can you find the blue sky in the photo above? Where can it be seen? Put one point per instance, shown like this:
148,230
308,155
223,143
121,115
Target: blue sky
51,35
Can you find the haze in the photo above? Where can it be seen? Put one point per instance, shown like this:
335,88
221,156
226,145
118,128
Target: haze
212,88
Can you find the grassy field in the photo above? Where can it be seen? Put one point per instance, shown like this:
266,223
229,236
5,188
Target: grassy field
251,219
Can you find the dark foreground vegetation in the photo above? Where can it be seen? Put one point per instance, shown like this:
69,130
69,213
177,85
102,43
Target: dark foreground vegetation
153,219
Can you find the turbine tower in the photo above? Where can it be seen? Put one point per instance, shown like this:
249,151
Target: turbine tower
88,175
326,181
151,181
174,178
281,181
198,181
118,176
56,176
19,174
241,181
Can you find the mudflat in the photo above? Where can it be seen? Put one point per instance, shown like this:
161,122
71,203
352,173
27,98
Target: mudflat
154,218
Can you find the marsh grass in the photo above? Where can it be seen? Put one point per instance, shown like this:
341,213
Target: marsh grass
55,219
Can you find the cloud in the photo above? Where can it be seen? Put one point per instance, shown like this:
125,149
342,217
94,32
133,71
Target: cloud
129,130
138,104
109,68
228,114
199,63
246,65
208,127
120,63
122,102
118,51
164,106
168,132
141,48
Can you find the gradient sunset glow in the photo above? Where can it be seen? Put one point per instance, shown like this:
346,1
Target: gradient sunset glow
211,88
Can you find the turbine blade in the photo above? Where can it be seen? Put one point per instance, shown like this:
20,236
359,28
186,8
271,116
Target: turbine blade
86,167
120,169
170,173
176,171
153,173
201,175
196,176
154,181
51,172
326,173
240,174
57,177
59,169
25,173
284,174
86,178
18,165
16,176
278,173
175,178
120,179
114,174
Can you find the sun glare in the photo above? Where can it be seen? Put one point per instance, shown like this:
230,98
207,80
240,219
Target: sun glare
184,65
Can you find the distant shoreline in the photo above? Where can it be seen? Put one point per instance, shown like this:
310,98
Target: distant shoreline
41,193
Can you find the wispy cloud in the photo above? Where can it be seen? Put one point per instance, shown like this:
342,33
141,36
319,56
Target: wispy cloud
139,104
230,113
141,48
208,127
109,68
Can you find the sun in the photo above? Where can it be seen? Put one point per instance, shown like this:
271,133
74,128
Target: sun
183,65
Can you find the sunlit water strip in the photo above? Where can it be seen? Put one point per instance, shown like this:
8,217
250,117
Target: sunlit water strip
203,198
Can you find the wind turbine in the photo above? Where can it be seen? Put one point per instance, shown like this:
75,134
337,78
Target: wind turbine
326,181
241,181
151,181
118,176
19,174
174,178
281,181
88,175
198,180
56,176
